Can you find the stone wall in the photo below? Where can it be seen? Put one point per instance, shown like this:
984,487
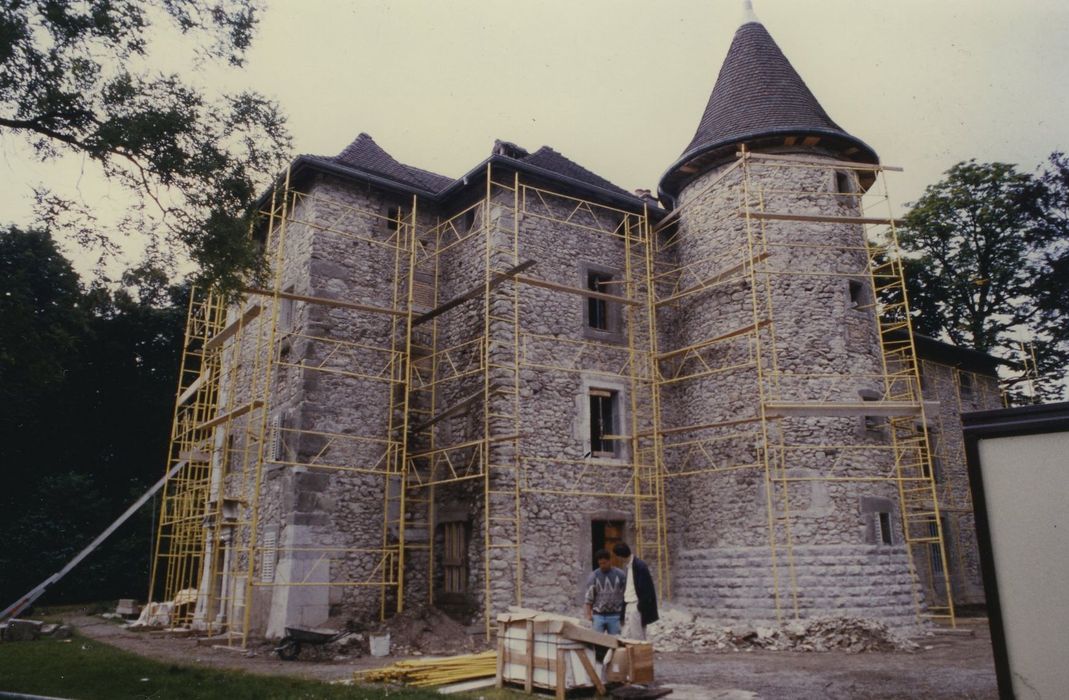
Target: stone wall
816,340
324,497
979,391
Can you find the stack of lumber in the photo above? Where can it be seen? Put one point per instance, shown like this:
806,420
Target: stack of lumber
424,673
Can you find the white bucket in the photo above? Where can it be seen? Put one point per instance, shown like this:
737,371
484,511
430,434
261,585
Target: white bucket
380,644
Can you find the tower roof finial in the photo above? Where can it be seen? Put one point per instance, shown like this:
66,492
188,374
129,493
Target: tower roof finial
748,15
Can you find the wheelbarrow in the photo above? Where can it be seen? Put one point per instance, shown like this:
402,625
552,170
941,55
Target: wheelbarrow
290,646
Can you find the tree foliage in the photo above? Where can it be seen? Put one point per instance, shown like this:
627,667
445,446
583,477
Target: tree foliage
87,379
986,261
74,78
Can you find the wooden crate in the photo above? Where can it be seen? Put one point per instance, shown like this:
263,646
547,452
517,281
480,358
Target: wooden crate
551,652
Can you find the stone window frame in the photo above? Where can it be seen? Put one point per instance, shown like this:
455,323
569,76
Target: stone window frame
613,310
620,414
583,523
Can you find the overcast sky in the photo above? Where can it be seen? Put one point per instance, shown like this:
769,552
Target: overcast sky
619,86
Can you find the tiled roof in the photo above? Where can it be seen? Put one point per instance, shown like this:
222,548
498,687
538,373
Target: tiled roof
548,159
759,94
364,154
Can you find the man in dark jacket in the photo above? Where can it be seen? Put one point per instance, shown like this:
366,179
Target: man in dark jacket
640,598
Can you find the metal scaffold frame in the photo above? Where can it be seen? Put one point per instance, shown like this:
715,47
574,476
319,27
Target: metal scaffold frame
241,435
756,347
500,457
454,413
179,552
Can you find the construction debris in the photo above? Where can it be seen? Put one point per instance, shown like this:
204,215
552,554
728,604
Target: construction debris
128,607
681,631
426,630
425,673
18,630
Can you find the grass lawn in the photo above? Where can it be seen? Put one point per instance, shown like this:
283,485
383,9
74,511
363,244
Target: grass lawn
85,669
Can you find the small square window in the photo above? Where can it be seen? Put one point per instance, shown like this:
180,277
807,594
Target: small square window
603,423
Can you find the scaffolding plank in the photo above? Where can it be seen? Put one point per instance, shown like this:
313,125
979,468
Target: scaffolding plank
324,301
192,389
535,282
236,413
474,292
453,410
802,160
705,426
714,279
219,338
712,341
843,408
818,218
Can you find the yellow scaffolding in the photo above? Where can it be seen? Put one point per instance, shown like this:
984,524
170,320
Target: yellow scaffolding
792,191
450,366
179,552
456,378
231,417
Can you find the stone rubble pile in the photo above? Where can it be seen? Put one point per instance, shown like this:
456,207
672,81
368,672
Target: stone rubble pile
18,630
681,631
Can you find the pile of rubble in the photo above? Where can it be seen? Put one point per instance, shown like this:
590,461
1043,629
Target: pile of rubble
681,631
16,630
426,630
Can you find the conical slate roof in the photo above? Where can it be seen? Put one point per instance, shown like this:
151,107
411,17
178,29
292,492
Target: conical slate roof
759,99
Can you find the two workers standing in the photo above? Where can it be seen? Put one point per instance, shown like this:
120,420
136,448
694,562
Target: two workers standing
621,601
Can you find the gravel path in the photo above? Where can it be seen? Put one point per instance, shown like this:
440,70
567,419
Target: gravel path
954,666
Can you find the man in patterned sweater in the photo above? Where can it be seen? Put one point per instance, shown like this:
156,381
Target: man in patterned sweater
605,595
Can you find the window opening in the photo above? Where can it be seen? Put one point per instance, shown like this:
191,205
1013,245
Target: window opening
965,382
598,309
602,423
857,294
885,527
392,218
933,548
844,185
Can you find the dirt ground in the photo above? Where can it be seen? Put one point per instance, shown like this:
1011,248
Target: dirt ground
947,666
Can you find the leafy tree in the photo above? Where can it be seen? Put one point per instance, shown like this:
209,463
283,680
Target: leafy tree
74,79
88,383
984,247
43,327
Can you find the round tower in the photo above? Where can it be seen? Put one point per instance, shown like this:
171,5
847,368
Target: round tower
781,485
